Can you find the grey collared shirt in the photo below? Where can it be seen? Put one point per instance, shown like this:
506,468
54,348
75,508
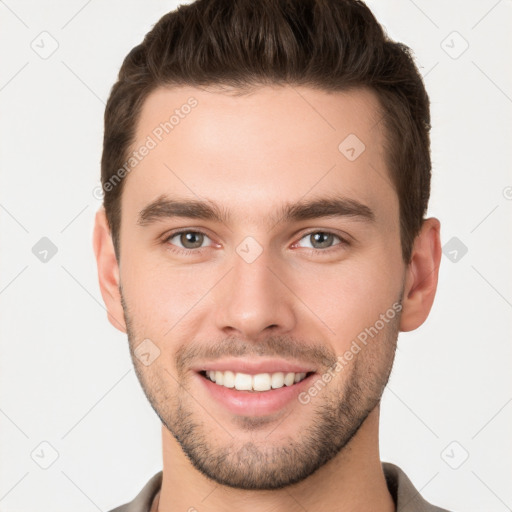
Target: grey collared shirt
405,495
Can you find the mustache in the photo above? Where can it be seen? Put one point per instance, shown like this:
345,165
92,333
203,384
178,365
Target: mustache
274,346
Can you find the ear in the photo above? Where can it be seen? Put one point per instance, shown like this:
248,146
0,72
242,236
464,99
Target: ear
108,270
421,276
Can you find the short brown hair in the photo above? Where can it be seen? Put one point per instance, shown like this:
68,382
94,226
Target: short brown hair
332,45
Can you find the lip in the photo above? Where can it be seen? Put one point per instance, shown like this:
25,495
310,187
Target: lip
253,367
254,403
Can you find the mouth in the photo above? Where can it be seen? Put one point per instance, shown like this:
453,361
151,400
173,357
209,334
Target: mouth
254,383
262,394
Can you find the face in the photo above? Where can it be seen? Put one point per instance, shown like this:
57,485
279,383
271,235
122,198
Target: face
260,248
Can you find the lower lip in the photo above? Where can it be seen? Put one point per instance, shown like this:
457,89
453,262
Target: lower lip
255,403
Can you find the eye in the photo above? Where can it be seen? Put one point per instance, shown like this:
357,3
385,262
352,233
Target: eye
322,240
187,240
191,241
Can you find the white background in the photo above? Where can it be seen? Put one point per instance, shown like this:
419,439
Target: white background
65,373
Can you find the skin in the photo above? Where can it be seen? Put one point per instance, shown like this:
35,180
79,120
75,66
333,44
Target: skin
251,154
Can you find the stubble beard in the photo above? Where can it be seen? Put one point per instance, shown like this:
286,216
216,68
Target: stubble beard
336,414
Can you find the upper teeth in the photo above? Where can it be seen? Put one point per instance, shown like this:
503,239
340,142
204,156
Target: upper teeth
258,382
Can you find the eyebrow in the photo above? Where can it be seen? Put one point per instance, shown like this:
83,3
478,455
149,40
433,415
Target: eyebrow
165,207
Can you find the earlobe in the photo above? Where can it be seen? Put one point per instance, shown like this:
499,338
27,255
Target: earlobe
421,276
108,270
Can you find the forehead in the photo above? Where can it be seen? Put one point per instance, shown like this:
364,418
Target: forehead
259,149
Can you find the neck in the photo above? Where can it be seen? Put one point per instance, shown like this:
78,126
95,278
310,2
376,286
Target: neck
351,482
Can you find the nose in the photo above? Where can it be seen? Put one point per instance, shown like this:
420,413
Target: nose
254,299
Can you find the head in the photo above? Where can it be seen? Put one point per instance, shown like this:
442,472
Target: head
275,216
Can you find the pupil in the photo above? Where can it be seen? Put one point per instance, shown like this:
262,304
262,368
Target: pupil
188,238
325,236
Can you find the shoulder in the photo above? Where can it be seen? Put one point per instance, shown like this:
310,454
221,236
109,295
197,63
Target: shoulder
407,497
142,502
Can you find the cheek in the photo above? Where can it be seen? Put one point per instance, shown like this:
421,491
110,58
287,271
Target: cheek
160,295
351,296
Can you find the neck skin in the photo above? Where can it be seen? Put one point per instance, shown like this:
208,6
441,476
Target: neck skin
351,482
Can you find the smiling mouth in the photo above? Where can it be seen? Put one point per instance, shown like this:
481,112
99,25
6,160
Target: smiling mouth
254,383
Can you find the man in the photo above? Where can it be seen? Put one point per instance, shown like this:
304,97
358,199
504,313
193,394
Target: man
266,171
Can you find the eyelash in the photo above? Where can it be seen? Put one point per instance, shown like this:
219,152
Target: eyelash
191,252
